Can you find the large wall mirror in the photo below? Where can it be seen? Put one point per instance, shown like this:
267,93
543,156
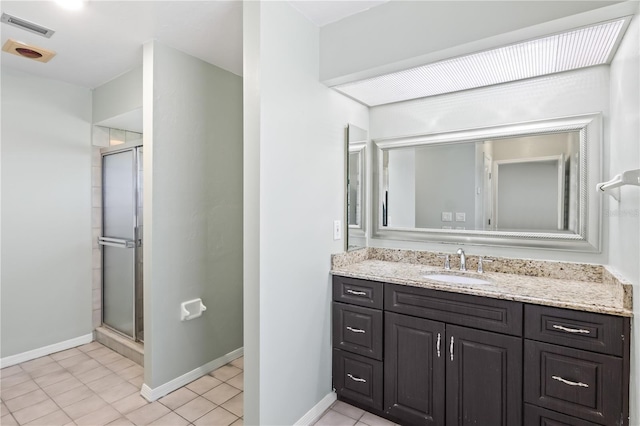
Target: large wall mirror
355,187
525,184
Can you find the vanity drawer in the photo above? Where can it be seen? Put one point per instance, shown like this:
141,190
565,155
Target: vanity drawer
536,416
502,316
575,382
358,378
582,330
357,329
358,292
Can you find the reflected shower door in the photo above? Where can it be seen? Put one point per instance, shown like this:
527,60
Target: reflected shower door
119,186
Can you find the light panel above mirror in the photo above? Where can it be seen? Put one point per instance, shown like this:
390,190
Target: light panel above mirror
578,48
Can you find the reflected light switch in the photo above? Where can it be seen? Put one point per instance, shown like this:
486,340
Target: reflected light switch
461,217
447,217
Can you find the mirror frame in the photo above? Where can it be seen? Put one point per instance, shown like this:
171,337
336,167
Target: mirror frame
588,239
356,139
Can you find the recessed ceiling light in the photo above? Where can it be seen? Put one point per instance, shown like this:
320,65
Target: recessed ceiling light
27,25
71,4
578,48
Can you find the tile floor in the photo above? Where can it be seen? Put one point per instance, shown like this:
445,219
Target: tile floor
92,385
341,414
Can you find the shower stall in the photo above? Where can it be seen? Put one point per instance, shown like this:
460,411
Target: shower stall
121,240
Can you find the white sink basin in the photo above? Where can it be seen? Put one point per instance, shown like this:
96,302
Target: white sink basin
455,279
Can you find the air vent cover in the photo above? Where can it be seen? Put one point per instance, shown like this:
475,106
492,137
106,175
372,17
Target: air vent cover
26,51
27,26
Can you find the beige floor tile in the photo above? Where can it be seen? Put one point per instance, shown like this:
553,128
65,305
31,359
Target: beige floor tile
53,378
100,417
361,424
131,372
118,392
84,407
34,364
26,400
19,389
57,418
10,371
333,418
171,419
122,421
237,381
14,379
226,372
3,409
109,358
45,370
238,362
93,374
145,415
195,408
83,367
105,383
8,420
121,365
65,354
235,405
239,422
73,360
130,403
97,353
221,393
72,396
35,411
348,410
373,420
62,386
217,417
178,398
90,347
137,381
203,384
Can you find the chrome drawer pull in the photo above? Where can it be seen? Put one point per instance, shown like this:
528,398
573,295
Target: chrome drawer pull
451,348
438,346
572,330
357,293
355,330
356,379
569,382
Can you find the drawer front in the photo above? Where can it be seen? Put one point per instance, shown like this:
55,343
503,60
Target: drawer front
358,378
536,416
358,330
358,292
574,382
582,330
484,313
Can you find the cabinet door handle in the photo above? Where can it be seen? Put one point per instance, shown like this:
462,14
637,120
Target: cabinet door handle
569,382
356,293
571,330
356,379
438,346
355,330
451,348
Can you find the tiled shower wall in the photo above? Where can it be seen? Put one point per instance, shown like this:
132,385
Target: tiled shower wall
102,137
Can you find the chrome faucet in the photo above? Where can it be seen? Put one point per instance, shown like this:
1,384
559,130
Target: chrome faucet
463,260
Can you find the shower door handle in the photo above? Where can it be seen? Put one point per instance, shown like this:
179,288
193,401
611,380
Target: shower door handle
116,242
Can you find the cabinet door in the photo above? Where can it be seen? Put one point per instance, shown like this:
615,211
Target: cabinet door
484,378
414,369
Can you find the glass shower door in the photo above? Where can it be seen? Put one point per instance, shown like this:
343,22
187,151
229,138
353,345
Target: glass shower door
119,186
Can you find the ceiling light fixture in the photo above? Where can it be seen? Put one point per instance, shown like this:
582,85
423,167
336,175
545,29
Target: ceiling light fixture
578,48
27,25
71,4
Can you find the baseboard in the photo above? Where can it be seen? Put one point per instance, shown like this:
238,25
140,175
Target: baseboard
46,350
152,394
314,414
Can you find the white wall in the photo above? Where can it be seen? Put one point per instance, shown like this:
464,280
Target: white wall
118,103
294,189
192,211
46,212
624,154
571,93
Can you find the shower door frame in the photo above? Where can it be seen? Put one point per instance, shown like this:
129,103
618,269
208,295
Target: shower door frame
137,232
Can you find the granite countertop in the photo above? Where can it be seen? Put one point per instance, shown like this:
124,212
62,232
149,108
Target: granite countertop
609,296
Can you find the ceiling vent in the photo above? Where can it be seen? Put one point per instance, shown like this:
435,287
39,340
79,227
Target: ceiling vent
27,26
26,51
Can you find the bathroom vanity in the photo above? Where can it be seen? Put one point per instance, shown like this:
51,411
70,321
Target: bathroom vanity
519,350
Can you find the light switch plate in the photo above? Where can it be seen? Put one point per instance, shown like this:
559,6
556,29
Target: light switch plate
447,216
337,229
461,217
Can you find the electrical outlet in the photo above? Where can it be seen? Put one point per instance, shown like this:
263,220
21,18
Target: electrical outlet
447,216
337,229
461,217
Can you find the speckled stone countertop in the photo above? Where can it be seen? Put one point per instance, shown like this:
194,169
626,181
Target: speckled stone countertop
597,289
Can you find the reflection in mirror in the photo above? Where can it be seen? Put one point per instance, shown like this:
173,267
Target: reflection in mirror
356,145
515,185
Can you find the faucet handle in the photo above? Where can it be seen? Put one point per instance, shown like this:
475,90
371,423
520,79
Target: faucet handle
481,260
447,263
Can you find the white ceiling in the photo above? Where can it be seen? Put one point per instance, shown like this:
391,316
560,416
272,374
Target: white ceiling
105,38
